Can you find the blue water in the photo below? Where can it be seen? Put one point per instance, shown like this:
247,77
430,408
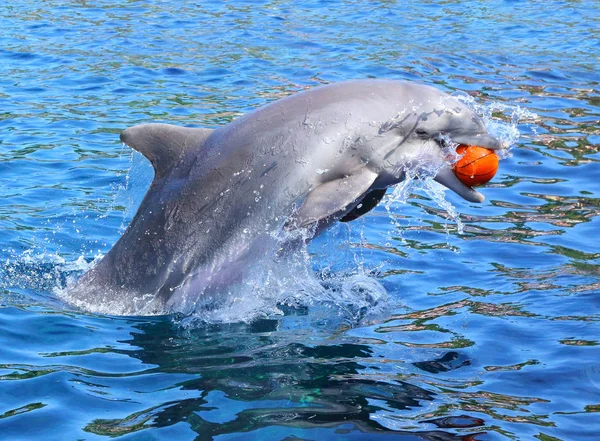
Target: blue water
492,334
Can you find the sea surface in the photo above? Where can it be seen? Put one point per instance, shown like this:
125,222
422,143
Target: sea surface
431,318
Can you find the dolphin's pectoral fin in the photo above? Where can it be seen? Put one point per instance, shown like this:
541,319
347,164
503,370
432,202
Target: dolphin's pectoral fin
367,203
163,144
331,198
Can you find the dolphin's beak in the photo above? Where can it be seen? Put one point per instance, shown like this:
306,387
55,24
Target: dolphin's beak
447,178
479,139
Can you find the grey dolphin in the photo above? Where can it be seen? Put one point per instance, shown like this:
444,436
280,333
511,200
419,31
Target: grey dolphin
219,197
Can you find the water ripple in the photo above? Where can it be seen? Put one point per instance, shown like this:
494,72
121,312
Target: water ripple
491,330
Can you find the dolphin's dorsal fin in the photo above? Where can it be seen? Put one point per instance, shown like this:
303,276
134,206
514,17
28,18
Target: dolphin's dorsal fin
163,144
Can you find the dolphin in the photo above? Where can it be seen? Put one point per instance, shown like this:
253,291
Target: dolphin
221,198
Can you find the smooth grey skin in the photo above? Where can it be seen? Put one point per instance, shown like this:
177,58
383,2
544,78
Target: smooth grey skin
221,198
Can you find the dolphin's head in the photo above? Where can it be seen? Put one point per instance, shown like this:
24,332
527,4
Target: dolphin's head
429,134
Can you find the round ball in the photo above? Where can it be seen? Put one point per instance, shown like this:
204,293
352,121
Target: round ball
477,166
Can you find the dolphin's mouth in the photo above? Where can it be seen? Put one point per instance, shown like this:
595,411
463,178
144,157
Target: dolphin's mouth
446,175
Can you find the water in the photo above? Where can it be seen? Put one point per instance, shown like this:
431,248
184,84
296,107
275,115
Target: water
413,331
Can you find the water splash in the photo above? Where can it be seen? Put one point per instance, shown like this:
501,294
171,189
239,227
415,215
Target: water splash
284,281
508,132
502,120
130,193
421,181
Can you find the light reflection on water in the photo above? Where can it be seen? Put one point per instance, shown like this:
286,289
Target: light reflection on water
492,333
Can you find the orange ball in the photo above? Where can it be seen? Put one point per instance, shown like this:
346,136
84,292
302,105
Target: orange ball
477,166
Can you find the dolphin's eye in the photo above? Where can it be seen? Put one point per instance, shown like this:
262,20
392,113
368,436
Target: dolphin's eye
421,132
